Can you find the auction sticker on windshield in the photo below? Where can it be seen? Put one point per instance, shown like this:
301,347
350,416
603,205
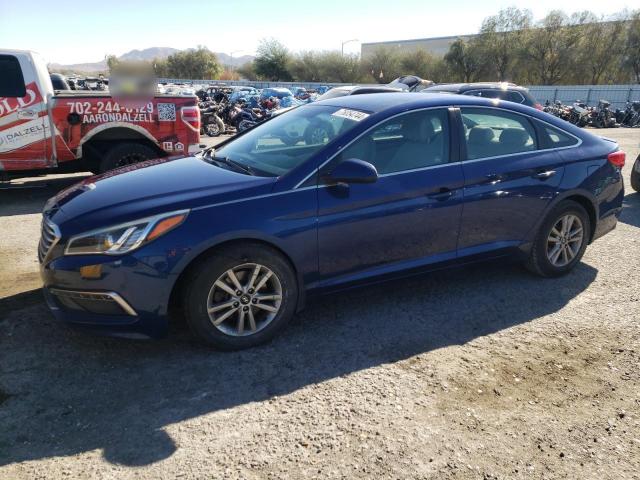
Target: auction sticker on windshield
354,115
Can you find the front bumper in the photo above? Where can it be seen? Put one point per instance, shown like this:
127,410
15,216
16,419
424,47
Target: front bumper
123,296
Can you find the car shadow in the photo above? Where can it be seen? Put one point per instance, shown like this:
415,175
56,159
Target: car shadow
67,392
631,209
25,196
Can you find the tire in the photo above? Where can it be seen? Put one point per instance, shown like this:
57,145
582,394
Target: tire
126,154
539,261
202,293
635,175
212,129
245,125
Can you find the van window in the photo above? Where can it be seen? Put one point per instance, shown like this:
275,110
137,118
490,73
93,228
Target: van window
11,79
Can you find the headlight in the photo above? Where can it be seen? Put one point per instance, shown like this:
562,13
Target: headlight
125,237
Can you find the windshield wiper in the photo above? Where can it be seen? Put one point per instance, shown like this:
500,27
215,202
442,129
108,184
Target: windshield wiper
231,163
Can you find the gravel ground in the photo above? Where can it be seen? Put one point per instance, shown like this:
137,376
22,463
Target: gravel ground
479,373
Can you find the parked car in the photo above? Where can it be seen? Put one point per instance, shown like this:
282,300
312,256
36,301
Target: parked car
238,237
59,82
346,90
635,175
500,90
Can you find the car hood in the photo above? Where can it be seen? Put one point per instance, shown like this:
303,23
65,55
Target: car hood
148,188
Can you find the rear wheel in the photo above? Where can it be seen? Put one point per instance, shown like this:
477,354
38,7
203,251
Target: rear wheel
124,154
212,129
635,175
240,297
561,240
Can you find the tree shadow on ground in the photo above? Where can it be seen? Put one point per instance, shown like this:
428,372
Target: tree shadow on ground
72,392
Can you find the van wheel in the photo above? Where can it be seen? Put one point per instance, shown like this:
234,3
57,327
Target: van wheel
125,154
561,240
240,297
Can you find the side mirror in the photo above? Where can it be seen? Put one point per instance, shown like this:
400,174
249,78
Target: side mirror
352,171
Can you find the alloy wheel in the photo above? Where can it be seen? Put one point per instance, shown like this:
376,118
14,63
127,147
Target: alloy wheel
565,240
244,299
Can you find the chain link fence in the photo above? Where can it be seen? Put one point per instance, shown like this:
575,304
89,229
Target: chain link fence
617,95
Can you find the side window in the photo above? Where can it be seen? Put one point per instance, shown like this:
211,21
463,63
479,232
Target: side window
409,141
513,97
11,79
557,138
492,133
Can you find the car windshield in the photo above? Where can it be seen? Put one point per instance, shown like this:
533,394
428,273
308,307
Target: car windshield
286,141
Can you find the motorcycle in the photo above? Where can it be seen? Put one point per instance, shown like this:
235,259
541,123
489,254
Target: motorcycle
210,121
603,117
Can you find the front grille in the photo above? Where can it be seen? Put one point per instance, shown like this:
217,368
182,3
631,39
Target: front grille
48,238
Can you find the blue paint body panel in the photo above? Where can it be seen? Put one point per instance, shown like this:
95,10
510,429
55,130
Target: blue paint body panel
335,236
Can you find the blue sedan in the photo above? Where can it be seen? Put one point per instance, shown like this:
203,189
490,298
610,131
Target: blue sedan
236,238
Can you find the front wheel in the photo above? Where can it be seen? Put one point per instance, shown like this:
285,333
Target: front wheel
635,175
240,297
561,240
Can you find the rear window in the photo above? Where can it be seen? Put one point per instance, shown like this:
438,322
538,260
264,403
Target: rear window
509,96
557,138
11,79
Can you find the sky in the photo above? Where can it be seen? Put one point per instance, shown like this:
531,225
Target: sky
85,31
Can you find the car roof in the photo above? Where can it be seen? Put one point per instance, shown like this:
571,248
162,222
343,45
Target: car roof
463,87
376,102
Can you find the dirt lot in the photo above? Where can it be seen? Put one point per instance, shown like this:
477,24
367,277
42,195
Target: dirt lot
482,373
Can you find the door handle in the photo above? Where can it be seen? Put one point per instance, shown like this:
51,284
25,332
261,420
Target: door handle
544,175
441,195
26,114
493,178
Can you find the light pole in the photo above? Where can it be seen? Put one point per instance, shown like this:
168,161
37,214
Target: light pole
345,42
231,55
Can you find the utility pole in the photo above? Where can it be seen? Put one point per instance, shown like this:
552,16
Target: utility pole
345,42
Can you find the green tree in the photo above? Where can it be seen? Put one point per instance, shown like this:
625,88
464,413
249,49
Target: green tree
272,61
501,40
383,65
112,62
551,48
199,64
419,62
305,67
631,48
464,60
247,71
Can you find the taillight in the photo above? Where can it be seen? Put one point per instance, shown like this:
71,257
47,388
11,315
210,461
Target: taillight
191,117
617,158
538,106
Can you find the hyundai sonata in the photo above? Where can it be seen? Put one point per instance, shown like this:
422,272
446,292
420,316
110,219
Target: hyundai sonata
237,237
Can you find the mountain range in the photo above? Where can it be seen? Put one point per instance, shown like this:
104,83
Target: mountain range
145,54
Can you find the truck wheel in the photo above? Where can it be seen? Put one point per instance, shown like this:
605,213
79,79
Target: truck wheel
635,175
240,297
126,154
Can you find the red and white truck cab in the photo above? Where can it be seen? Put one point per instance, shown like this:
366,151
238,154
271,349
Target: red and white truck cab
42,129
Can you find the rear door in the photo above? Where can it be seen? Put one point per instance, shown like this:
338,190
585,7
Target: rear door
510,177
23,115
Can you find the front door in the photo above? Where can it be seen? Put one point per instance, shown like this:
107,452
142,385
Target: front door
409,217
